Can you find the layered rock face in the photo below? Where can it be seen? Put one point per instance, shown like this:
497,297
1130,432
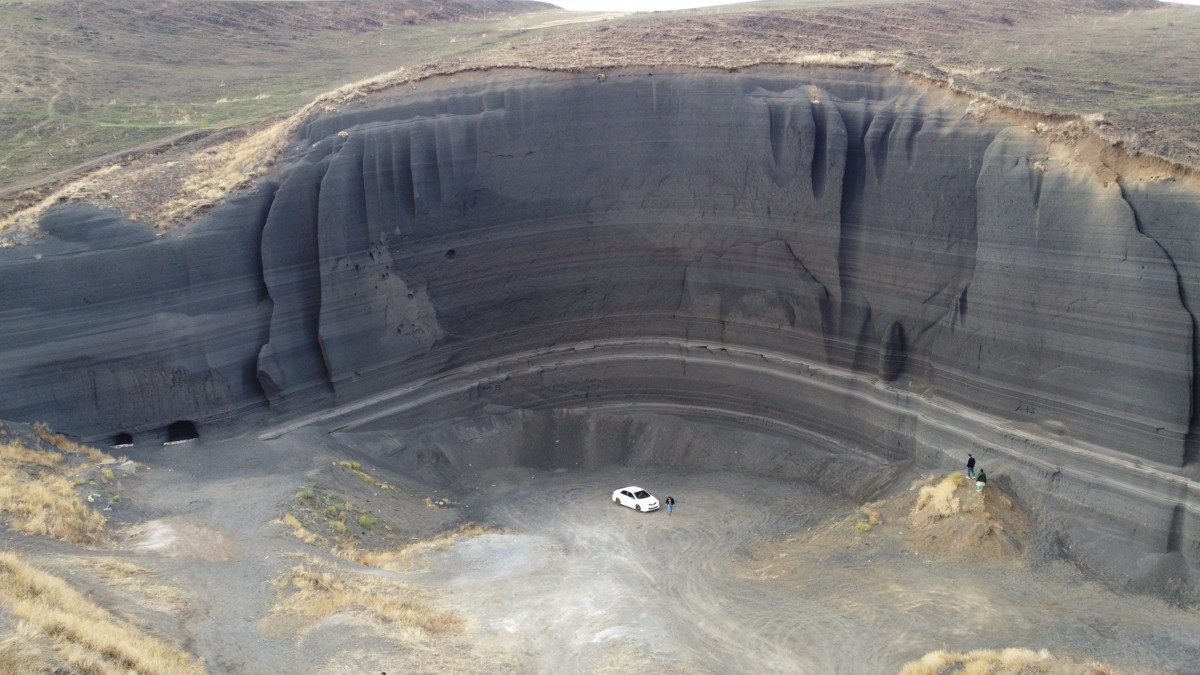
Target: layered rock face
844,259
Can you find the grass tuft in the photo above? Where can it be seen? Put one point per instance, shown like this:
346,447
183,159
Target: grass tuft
356,469
326,519
318,591
410,557
47,435
300,532
38,495
1010,661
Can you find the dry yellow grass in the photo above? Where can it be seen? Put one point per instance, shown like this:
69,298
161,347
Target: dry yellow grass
316,591
411,557
858,59
332,511
24,650
1011,661
356,469
871,513
300,532
47,435
868,517
939,501
25,220
135,581
38,498
324,509
231,166
55,623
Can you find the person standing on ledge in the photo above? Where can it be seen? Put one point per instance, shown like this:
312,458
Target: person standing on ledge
670,504
970,465
981,480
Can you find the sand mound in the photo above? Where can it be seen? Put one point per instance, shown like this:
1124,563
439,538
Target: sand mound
950,518
940,516
1001,662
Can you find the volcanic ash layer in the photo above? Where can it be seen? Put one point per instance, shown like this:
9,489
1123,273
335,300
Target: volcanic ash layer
843,258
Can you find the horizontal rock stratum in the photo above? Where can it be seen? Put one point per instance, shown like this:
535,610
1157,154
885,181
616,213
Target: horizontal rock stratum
847,259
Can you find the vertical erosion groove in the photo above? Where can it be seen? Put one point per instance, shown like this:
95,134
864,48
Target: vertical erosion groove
1191,454
854,323
876,142
819,170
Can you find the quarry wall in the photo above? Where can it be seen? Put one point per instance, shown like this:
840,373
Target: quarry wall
845,258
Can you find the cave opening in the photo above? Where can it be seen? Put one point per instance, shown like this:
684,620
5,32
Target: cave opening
181,431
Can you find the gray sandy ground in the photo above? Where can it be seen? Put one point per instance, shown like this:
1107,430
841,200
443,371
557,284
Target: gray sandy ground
573,583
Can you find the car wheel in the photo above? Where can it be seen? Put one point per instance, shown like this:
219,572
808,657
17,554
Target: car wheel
616,501
637,507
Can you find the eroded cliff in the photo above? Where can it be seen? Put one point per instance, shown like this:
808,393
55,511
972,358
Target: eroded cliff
846,259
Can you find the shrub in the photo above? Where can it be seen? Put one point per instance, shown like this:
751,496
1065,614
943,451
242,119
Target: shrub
320,592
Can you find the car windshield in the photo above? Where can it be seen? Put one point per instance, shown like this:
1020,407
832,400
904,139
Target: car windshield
641,494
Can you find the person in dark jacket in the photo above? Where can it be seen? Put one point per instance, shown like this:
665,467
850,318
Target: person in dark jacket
981,480
670,504
970,465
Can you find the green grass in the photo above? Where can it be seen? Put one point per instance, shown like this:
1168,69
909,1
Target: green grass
1140,70
72,95
1138,60
321,517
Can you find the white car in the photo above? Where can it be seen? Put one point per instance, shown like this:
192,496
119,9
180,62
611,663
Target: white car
635,498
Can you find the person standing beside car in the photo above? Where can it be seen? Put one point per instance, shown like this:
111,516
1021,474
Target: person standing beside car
670,504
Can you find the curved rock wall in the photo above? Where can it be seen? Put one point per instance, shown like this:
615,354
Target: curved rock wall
842,256
110,328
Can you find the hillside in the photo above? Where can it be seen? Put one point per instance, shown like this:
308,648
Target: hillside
90,84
